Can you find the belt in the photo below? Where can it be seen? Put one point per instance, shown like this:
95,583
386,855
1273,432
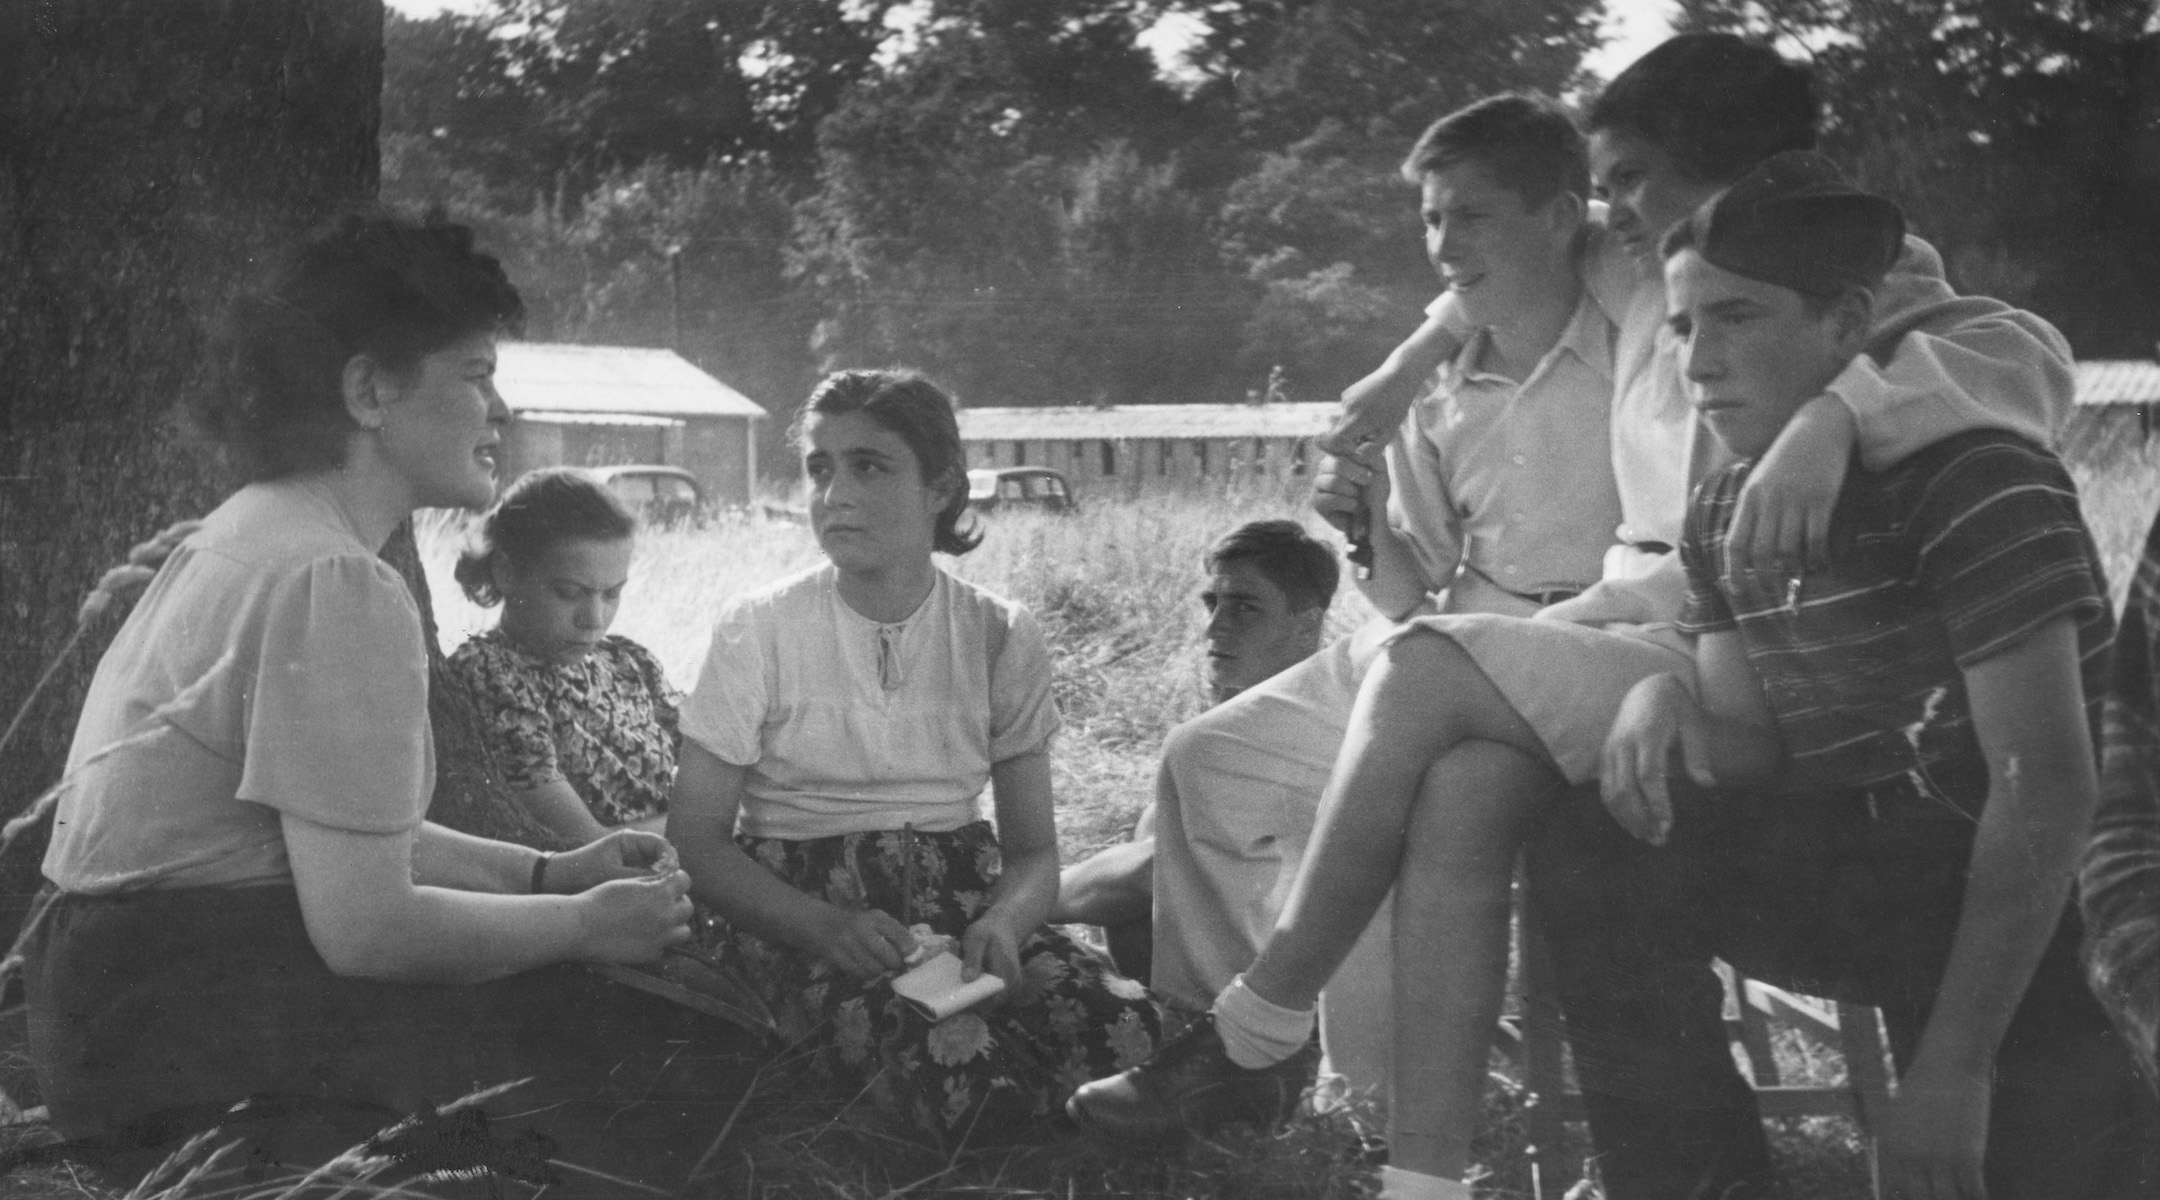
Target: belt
1541,599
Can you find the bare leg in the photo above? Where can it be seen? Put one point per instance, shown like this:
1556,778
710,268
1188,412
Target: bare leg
1452,903
1422,698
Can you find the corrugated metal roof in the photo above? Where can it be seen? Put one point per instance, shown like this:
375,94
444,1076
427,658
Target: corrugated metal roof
639,420
1147,421
551,377
2118,381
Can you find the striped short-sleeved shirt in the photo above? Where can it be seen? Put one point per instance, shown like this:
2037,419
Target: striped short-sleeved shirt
1946,559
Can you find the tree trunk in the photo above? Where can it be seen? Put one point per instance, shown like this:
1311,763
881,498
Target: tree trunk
151,152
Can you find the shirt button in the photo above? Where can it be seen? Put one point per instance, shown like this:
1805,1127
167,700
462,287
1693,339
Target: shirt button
1518,460
1510,569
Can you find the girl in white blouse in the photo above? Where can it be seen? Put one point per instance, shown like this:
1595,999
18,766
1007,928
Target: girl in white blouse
834,754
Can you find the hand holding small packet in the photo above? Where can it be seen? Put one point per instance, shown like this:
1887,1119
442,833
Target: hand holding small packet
933,984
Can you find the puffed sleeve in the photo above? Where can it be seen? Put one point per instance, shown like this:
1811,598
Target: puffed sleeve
513,712
337,720
1023,716
725,711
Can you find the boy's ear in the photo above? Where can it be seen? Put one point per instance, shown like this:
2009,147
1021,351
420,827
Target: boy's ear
1312,623
1853,317
1566,212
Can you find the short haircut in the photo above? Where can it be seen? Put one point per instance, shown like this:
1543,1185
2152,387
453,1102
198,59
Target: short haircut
1300,564
1715,103
378,284
1795,222
1527,141
919,411
537,512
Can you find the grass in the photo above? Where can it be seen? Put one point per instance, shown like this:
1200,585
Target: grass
1113,587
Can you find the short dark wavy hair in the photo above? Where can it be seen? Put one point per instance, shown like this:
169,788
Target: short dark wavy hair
1716,103
539,510
1302,565
919,411
1527,142
376,283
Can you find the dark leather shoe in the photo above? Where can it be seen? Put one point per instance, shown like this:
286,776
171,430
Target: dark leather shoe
1189,1086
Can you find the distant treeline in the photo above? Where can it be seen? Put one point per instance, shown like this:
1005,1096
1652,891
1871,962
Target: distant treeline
1014,196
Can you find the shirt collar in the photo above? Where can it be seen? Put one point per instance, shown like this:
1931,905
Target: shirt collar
1588,336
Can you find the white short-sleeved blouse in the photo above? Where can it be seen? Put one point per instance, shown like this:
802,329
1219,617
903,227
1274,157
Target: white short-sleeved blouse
275,665
849,725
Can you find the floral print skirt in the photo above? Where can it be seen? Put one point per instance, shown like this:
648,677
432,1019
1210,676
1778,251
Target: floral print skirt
987,1071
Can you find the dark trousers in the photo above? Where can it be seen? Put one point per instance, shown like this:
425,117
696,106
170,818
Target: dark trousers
1849,895
152,1012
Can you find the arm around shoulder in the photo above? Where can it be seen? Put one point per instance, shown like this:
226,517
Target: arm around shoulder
1951,364
1373,407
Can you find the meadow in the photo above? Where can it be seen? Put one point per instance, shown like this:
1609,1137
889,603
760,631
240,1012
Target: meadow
1114,586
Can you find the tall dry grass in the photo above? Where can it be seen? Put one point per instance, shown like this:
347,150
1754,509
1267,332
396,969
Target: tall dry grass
1114,586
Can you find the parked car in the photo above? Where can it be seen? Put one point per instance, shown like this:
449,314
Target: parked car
991,488
662,495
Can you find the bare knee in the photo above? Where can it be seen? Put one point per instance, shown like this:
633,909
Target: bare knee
1428,686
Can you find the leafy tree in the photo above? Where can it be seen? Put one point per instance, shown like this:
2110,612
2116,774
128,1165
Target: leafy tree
962,220
547,96
1327,96
2022,138
1381,68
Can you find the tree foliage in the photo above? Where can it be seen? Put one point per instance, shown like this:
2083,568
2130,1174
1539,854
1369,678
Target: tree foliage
1014,196
2022,137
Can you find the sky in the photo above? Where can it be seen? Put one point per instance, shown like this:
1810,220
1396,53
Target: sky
1631,27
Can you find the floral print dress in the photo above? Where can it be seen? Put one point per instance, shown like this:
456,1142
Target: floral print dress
605,723
983,1073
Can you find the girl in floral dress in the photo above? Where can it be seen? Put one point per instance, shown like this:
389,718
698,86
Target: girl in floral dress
582,722
835,750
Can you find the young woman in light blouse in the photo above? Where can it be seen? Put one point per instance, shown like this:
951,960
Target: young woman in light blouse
834,753
246,899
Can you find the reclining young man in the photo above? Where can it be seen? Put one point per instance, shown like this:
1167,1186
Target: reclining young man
1267,595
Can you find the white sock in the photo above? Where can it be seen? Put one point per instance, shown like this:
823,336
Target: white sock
1257,1032
1398,1184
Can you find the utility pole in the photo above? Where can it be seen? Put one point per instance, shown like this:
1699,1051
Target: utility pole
674,270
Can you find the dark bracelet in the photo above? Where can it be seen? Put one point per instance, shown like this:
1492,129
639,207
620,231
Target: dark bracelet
539,875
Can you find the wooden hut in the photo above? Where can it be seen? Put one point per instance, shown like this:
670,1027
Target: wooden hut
1129,449
598,406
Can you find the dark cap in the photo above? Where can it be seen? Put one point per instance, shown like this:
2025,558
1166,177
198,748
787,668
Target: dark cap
1795,222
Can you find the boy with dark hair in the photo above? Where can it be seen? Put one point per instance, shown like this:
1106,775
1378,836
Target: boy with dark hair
1889,767
1298,564
1267,595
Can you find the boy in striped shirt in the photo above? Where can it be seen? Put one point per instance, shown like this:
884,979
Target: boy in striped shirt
1885,769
